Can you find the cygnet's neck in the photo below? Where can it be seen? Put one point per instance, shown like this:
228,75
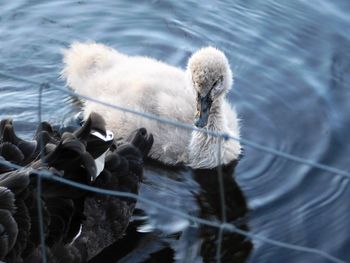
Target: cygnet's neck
216,120
204,148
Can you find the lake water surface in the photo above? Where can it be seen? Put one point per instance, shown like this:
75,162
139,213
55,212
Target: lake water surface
291,61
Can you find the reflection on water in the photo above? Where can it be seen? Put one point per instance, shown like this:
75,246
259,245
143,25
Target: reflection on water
235,247
291,63
159,237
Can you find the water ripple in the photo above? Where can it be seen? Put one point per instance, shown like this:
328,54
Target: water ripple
291,65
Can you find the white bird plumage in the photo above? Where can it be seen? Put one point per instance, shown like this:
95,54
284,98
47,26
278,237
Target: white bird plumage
147,85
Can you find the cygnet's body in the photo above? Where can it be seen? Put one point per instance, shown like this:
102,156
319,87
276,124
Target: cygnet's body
147,85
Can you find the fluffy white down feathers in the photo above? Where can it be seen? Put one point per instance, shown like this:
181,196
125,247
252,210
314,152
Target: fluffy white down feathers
147,85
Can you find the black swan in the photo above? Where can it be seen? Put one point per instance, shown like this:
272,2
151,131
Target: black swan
75,221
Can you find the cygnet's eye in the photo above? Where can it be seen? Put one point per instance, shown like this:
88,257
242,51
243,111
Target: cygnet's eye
220,79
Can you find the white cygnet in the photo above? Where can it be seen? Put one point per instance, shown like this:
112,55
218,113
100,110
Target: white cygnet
196,96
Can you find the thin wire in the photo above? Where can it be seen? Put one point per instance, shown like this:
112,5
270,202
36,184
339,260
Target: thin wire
219,245
222,201
225,226
39,190
289,246
223,135
221,183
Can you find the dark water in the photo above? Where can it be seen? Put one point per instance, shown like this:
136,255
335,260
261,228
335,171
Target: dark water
291,61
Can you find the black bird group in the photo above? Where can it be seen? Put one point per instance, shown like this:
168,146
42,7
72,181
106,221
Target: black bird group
81,226
77,224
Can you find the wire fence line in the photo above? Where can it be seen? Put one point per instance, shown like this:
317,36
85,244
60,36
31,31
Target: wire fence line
38,182
225,136
222,226
45,174
222,202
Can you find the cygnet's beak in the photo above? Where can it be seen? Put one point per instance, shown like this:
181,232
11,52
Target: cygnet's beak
203,110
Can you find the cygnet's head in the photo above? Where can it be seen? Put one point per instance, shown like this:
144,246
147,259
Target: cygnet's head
208,71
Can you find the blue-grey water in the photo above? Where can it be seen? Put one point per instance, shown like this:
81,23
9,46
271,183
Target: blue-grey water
291,61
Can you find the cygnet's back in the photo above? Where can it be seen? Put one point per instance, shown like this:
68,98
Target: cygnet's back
139,83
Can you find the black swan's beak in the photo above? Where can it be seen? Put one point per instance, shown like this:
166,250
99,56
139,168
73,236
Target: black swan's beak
203,110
